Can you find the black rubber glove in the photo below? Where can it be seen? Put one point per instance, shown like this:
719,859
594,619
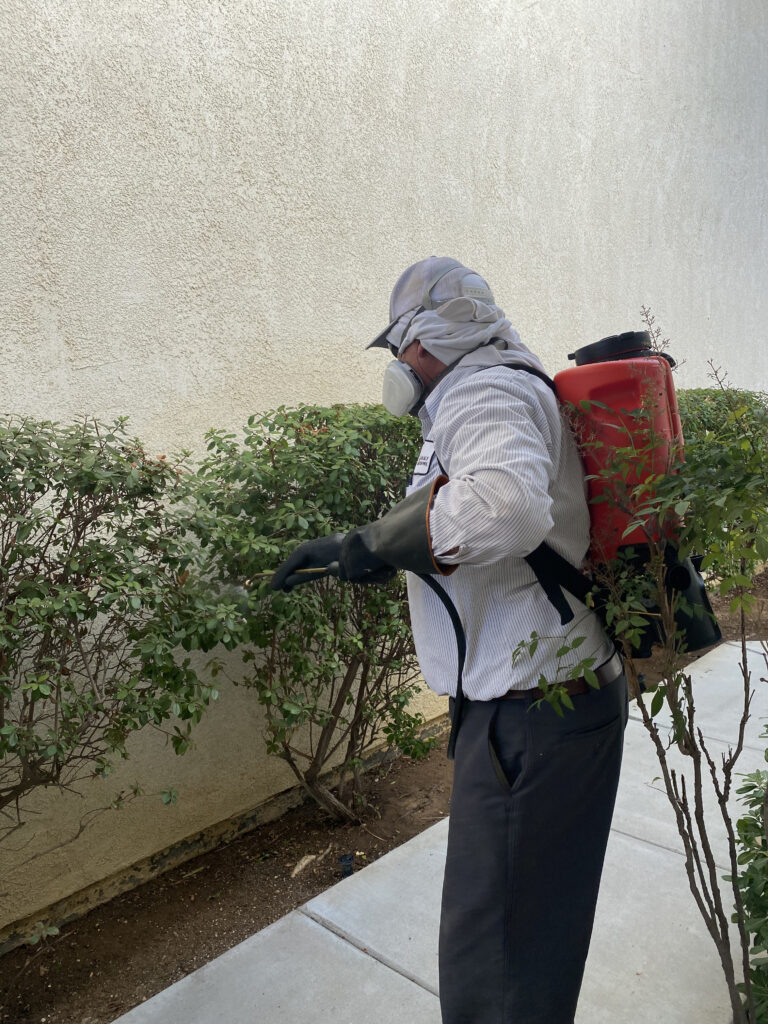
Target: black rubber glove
322,553
326,552
359,565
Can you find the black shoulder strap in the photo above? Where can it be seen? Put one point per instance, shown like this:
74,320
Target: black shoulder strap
556,573
528,369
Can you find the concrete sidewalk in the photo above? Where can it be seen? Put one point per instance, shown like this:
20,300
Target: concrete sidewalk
365,951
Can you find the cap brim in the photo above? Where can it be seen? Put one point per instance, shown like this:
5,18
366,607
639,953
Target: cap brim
380,341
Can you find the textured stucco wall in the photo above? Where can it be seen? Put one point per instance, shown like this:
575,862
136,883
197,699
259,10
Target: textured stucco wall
205,204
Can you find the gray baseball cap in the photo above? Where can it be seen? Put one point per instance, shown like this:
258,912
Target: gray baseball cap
425,285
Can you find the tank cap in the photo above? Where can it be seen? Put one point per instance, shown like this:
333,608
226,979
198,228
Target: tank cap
629,345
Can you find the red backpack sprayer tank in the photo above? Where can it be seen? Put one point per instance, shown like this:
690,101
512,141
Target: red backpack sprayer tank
624,398
624,409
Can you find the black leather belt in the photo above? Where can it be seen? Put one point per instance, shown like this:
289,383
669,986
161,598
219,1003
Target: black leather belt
606,673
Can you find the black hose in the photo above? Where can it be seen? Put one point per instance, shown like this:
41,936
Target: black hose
461,652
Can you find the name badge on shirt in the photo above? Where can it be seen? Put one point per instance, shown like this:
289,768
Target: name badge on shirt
424,460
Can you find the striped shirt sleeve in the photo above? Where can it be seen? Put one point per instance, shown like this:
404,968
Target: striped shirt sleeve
502,458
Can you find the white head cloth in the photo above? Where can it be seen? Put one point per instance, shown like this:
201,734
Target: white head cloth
460,326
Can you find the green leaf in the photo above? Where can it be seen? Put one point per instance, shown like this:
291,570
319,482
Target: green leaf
657,702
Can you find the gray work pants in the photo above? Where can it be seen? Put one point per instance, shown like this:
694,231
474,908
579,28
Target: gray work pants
531,809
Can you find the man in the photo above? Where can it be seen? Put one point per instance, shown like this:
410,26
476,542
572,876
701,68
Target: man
498,474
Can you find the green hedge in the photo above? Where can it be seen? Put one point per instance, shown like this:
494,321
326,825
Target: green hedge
99,585
333,665
724,479
112,562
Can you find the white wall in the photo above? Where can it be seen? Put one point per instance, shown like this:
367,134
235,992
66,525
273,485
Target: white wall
205,204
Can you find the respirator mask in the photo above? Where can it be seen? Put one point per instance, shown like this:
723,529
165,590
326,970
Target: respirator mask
402,390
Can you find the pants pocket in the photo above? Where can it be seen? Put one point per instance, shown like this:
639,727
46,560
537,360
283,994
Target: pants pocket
506,753
588,762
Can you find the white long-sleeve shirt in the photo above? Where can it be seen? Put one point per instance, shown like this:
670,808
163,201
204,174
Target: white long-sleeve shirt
515,480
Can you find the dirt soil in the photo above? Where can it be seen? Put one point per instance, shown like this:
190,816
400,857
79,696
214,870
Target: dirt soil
122,953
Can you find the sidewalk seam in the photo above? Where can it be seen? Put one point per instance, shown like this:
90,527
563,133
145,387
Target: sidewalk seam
634,717
373,954
659,846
